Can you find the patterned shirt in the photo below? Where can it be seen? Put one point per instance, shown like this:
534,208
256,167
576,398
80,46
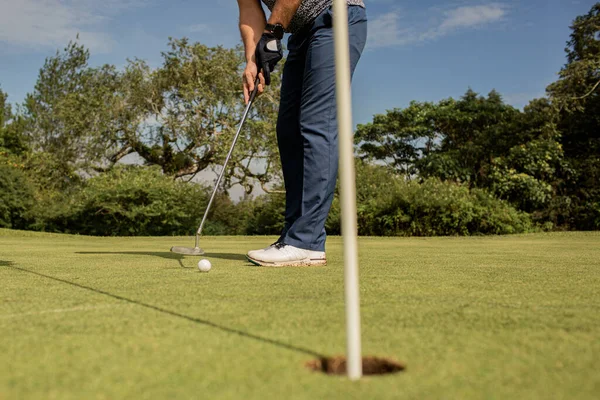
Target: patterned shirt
308,11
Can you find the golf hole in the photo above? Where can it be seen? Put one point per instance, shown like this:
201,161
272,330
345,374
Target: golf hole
371,366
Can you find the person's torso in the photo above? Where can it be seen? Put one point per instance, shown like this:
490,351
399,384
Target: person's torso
308,11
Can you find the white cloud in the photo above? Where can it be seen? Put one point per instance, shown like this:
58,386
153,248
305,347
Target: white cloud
52,23
469,17
385,30
391,30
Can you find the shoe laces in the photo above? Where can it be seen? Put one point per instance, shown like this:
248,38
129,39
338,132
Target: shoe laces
279,245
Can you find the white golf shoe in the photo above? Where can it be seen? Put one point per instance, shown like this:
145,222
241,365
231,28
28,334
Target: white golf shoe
254,253
284,255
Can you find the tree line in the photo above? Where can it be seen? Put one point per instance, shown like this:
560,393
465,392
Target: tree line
473,165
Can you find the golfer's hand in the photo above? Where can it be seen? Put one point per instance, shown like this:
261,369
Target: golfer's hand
268,54
249,78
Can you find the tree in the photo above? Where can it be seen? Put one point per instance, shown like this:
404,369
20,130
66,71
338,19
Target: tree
180,116
452,140
5,109
472,131
16,197
192,106
399,138
75,115
532,173
478,141
12,127
578,85
576,95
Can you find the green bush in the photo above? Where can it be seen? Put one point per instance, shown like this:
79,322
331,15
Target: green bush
227,218
436,208
389,206
333,225
586,214
266,216
16,197
127,201
133,200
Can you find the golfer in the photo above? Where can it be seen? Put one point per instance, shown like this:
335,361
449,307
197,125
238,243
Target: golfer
307,124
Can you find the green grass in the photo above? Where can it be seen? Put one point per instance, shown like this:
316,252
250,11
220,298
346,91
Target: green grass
473,318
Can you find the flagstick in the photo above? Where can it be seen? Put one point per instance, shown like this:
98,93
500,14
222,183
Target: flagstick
348,188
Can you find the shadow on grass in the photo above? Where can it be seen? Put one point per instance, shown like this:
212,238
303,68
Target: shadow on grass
172,313
226,256
168,255
162,254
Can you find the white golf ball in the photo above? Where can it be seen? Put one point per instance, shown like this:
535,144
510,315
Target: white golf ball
204,265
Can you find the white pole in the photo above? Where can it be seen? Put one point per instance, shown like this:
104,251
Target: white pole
348,188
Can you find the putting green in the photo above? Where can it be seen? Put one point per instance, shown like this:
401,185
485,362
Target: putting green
494,318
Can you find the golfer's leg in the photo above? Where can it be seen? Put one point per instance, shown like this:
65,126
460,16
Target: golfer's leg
318,127
357,32
288,131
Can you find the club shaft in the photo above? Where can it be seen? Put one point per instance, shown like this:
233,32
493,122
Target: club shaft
348,189
223,170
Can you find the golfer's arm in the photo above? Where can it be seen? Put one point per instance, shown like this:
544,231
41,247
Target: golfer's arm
284,11
252,25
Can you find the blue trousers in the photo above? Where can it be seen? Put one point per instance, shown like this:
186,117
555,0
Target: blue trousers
307,126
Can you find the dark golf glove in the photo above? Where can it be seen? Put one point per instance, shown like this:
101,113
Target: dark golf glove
268,53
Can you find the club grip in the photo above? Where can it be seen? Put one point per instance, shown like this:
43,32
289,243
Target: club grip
255,91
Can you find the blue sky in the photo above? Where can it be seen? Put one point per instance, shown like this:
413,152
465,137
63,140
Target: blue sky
425,50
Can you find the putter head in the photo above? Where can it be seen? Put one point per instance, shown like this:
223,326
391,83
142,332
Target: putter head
187,251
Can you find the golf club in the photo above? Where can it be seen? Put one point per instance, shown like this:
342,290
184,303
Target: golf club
196,250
